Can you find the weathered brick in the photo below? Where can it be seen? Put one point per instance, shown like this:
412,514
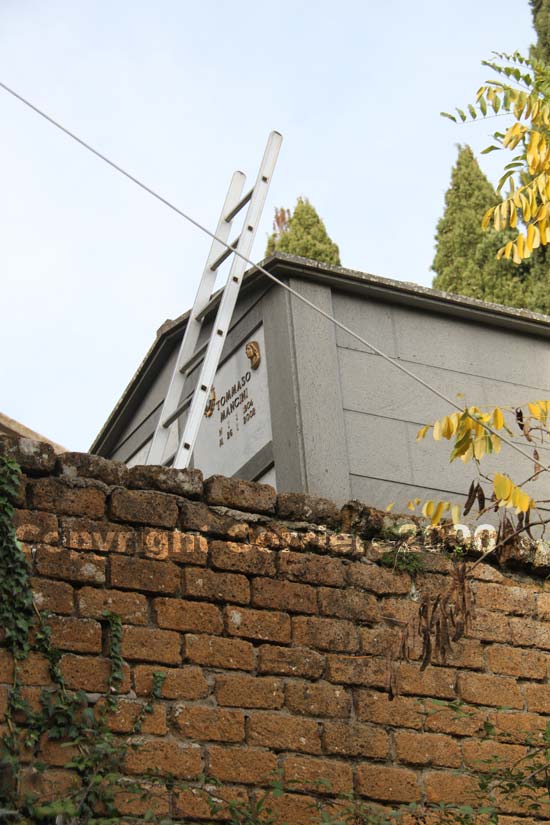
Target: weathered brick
57,597
99,536
346,544
297,598
325,634
348,603
148,645
517,727
466,653
312,569
377,640
34,457
297,809
233,654
60,496
91,673
451,787
166,757
123,716
489,627
58,563
267,625
33,670
178,614
84,465
144,574
290,661
144,507
354,739
387,784
543,606
485,756
284,733
240,495
244,558
537,696
427,749
246,765
497,691
439,682
528,664
36,526
249,691
529,633
358,670
378,579
186,483
371,706
319,775
3,703
154,798
48,785
78,635
209,724
317,699
303,507
179,683
505,598
185,548
197,516
195,803
219,587
130,607
469,721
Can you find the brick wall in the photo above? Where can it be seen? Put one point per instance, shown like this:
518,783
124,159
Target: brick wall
268,616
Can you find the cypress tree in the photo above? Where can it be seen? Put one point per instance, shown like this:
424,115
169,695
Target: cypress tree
540,11
302,233
465,261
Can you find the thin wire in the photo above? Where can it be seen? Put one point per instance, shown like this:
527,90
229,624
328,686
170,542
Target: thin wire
265,272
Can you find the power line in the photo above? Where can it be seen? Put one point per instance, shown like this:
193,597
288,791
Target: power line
397,364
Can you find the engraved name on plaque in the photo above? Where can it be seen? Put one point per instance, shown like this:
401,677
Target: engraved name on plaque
237,421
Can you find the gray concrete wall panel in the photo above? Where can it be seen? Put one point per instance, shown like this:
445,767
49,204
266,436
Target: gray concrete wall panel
320,400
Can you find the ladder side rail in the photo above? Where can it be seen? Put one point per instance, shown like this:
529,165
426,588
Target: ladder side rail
193,327
227,303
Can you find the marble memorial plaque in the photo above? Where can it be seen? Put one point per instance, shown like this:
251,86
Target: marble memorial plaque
237,421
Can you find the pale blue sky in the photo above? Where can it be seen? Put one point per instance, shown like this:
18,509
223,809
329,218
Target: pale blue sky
182,93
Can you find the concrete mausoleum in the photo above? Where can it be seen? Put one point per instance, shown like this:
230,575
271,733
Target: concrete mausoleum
301,405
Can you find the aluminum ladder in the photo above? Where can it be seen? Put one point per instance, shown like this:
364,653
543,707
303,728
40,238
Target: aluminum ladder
174,401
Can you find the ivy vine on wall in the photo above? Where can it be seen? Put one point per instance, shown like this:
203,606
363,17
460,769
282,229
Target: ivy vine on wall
95,754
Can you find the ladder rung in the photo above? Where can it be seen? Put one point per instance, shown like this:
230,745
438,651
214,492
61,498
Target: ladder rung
225,254
177,412
243,201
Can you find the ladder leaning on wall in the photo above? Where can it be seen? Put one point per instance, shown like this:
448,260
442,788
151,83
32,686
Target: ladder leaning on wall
174,401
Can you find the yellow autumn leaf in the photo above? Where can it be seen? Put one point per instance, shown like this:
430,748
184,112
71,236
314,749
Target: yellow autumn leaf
428,509
467,454
410,505
437,431
502,486
455,513
422,432
535,410
438,512
480,446
498,418
446,427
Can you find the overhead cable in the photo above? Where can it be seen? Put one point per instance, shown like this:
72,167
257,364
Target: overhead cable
394,362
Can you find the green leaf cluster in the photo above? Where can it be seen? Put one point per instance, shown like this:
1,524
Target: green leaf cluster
303,233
